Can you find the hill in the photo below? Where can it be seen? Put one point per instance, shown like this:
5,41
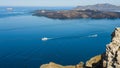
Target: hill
101,7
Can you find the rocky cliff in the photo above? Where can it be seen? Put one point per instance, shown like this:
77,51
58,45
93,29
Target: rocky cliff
110,59
112,55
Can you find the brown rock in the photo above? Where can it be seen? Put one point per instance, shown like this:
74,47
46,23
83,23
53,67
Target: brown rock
93,62
112,55
53,65
80,65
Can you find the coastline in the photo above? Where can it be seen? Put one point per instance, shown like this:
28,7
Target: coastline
76,14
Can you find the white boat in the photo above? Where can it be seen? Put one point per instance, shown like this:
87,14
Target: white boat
44,39
9,9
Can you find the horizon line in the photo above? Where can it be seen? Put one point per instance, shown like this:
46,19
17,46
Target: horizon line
51,6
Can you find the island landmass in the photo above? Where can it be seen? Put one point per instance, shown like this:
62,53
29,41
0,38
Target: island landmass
82,12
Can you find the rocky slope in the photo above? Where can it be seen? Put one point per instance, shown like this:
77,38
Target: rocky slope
110,59
73,14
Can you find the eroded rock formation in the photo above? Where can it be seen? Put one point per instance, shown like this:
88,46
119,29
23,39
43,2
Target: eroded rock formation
94,62
112,55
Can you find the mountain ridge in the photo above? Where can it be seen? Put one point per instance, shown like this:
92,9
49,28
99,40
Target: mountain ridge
101,7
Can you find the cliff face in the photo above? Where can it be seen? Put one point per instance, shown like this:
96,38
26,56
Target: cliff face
112,55
110,59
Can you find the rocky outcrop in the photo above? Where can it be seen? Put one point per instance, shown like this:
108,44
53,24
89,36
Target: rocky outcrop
112,55
109,59
54,65
94,62
73,14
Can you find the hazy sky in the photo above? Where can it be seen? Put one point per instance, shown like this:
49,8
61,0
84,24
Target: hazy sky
55,2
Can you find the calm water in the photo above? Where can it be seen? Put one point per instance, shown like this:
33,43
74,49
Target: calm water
72,40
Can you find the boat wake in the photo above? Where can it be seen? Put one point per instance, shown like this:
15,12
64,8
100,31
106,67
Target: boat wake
94,35
89,36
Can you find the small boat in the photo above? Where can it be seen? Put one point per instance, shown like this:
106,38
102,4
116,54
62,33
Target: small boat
44,39
9,9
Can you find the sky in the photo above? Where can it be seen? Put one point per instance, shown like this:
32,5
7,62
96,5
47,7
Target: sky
55,2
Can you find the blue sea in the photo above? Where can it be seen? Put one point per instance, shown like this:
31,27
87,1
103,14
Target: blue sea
70,41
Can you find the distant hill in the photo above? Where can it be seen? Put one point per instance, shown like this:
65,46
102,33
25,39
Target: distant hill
101,7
